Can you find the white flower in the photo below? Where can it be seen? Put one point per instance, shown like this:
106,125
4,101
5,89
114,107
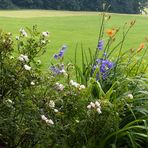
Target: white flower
77,121
27,67
97,104
71,82
23,58
32,83
17,37
62,71
51,104
81,87
89,106
130,96
56,111
99,110
23,32
60,86
43,118
9,33
45,34
10,101
92,104
50,122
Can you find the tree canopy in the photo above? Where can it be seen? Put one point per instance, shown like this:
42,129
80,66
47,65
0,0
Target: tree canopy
119,6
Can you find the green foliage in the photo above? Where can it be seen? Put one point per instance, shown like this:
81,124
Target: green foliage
49,109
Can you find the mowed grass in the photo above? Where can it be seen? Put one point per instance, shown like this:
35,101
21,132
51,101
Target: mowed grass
72,28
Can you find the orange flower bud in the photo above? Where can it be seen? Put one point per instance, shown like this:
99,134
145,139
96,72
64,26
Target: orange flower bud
141,47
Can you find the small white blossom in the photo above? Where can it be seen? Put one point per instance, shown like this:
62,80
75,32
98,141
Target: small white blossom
27,67
89,106
23,58
71,82
45,34
9,33
56,111
51,104
99,110
77,121
32,83
60,86
92,104
63,71
81,87
97,104
50,122
23,32
130,96
10,101
43,118
75,84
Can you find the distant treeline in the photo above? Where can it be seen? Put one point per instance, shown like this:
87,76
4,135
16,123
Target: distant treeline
119,6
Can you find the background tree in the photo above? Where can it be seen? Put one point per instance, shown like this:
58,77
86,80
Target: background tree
117,6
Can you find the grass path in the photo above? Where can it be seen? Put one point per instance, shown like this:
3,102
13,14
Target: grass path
43,13
47,13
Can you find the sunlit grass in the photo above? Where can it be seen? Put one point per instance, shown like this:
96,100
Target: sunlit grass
72,28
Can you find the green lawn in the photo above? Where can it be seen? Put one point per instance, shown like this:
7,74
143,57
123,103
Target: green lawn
71,28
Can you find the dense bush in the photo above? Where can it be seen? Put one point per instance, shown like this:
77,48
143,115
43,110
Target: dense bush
104,106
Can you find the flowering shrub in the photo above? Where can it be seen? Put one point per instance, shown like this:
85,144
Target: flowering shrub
105,106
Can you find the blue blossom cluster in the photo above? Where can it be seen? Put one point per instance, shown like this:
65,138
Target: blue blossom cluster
58,69
61,53
103,66
100,45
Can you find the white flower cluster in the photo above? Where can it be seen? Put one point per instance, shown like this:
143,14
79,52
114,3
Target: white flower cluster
59,86
23,58
96,106
48,121
77,85
23,32
51,104
45,34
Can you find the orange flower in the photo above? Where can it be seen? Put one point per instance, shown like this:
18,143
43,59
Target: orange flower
110,32
141,47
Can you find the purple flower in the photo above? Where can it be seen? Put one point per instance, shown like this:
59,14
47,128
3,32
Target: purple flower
100,45
56,56
104,67
57,69
61,53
